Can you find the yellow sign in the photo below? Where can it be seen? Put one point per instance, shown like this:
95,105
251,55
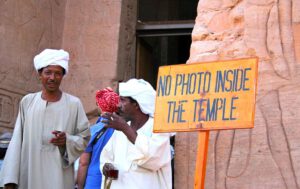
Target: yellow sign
206,96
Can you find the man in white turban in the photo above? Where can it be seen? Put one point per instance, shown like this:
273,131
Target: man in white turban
50,133
141,157
52,57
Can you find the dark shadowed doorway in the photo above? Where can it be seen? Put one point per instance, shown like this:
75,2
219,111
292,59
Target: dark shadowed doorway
163,33
163,37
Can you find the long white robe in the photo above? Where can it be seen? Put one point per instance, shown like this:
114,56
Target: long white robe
145,164
31,161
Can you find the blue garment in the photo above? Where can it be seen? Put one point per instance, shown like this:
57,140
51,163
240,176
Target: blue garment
94,176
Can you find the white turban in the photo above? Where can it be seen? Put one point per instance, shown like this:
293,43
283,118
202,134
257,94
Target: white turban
51,57
141,91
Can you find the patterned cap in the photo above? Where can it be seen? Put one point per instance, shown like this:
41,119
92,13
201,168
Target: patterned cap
107,100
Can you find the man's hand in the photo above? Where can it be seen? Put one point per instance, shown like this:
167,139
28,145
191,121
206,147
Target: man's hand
113,120
59,138
110,171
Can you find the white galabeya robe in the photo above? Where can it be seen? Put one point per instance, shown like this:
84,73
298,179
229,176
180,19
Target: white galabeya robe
145,164
31,161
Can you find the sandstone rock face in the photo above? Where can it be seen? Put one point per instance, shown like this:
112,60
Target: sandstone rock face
267,156
26,28
93,50
97,34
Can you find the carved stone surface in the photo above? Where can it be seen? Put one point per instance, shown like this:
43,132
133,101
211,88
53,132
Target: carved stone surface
92,49
9,106
26,28
89,30
267,156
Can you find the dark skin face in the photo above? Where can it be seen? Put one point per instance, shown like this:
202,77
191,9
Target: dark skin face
51,77
128,110
126,107
124,113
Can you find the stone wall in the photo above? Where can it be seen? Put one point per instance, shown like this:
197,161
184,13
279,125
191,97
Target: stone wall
267,156
26,28
99,35
91,35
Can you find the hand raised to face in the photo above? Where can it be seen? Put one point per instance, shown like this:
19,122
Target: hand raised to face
112,120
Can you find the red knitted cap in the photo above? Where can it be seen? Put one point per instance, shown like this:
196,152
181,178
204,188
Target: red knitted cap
107,100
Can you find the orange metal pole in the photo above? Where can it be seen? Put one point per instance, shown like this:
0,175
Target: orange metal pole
202,149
